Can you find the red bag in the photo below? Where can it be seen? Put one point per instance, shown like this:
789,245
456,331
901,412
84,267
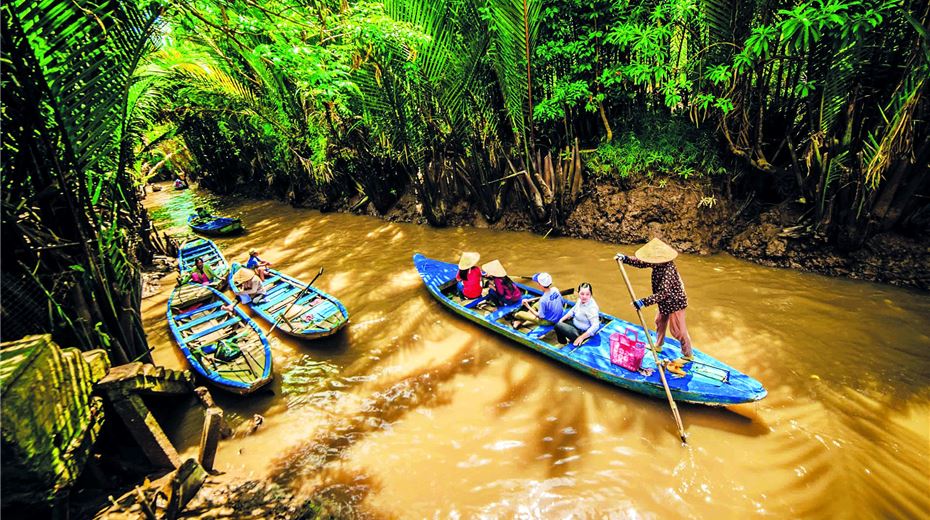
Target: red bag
626,351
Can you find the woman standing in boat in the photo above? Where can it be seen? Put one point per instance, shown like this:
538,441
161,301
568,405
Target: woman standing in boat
668,291
469,275
585,315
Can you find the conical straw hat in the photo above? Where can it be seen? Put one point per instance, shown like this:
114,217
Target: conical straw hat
494,268
656,252
243,275
469,260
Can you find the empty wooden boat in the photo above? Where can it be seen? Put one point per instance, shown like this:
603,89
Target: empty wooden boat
227,348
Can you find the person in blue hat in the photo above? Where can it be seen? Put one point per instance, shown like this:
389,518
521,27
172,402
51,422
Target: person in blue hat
548,308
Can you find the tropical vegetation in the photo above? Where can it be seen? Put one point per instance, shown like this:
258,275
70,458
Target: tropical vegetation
506,103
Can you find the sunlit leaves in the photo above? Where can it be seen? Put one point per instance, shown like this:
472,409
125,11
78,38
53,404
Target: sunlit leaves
800,28
762,41
561,95
718,74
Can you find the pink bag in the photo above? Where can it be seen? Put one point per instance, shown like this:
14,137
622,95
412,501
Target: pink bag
627,351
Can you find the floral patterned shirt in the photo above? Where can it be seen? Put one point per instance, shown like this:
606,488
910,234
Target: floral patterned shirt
668,290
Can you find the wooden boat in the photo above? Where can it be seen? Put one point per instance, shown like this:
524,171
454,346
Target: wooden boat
315,314
196,248
214,225
707,380
203,330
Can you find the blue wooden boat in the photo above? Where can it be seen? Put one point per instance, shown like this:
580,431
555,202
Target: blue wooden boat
200,328
315,314
707,380
214,225
191,250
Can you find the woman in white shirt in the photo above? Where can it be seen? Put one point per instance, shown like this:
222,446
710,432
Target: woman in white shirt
585,316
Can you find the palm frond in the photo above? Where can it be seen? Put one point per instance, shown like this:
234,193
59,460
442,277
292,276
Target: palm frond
514,26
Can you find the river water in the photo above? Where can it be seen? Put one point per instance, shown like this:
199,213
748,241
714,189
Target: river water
412,412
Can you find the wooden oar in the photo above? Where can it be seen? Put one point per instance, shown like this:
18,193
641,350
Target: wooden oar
301,293
655,355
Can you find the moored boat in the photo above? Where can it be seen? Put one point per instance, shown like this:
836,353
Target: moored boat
215,225
298,310
226,348
191,250
707,380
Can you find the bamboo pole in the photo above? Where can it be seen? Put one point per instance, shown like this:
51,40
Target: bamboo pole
655,355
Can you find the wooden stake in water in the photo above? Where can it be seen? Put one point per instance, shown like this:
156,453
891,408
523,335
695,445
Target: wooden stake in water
655,355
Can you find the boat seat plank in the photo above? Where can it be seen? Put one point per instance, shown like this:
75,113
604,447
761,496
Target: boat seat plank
276,290
474,303
190,313
307,298
202,319
199,251
278,298
215,328
503,311
541,330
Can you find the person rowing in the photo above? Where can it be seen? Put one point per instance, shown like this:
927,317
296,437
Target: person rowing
547,309
668,292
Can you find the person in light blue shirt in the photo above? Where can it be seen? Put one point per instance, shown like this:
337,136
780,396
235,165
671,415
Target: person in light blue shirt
258,265
548,308
585,315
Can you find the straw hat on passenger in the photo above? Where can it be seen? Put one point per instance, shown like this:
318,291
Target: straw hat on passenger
656,252
469,260
494,268
243,275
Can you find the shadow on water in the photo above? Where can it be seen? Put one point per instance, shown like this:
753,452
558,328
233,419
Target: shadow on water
844,362
383,407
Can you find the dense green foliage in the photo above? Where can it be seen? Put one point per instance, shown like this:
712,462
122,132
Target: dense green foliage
69,261
494,100
658,145
507,103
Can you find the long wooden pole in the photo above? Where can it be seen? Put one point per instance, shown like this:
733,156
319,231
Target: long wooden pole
655,355
301,293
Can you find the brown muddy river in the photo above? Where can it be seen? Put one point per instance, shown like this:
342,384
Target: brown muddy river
413,412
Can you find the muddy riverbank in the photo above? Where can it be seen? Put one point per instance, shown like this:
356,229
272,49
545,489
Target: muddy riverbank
695,217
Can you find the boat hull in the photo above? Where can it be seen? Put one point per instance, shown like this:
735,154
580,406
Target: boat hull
708,381
311,314
198,323
215,225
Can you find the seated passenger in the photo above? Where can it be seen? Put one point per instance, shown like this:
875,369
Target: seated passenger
258,265
202,273
469,276
585,316
548,308
248,286
503,291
